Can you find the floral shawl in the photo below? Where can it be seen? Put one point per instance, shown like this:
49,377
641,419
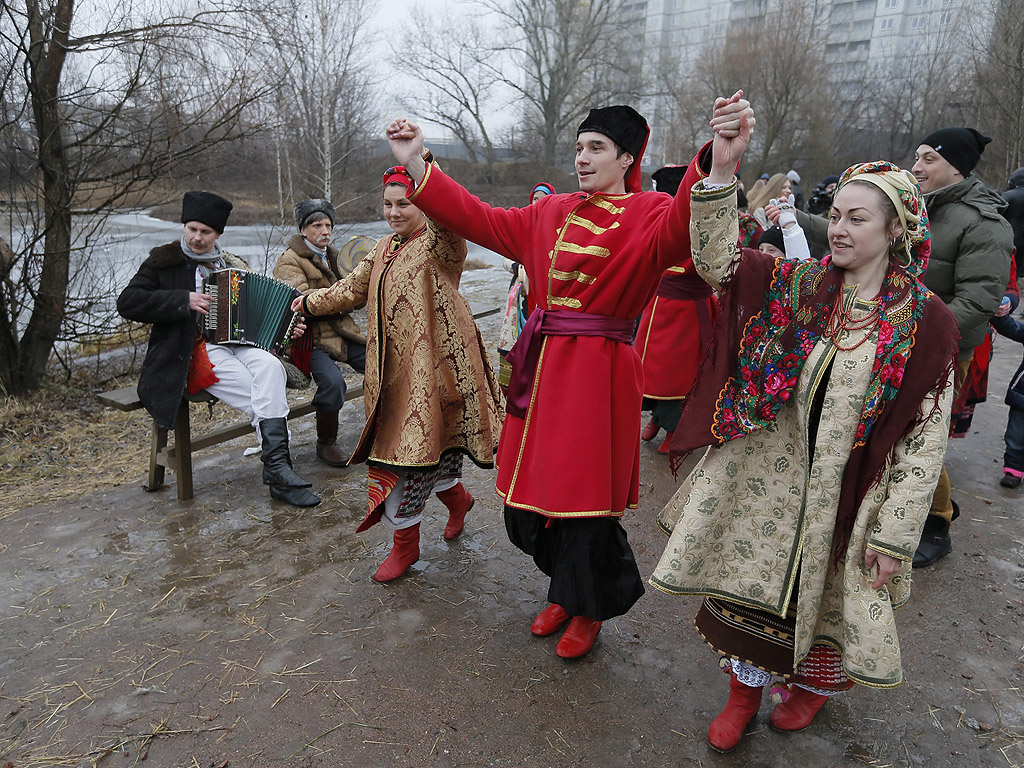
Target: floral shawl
773,313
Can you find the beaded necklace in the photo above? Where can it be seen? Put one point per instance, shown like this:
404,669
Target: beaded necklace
841,319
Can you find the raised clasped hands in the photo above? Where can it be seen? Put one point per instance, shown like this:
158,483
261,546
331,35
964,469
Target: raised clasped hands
733,123
406,140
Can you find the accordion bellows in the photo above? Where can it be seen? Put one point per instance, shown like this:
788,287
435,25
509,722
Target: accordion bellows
250,309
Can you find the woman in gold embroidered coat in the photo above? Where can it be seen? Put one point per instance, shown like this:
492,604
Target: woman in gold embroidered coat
828,397
429,390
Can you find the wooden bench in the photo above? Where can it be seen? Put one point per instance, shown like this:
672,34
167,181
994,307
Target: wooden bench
179,455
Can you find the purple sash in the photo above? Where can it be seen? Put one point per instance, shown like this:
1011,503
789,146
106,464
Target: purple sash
525,354
690,288
683,287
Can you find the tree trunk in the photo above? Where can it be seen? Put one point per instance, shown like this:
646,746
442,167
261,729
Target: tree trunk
46,63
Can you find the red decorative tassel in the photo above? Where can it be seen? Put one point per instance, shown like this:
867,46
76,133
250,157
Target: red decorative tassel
200,369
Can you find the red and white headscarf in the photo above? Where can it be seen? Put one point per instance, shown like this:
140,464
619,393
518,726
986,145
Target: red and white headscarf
398,175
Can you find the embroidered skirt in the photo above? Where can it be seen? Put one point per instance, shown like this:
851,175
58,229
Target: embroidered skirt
766,641
401,496
589,560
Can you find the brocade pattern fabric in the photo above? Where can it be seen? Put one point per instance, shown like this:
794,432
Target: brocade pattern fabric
750,518
429,386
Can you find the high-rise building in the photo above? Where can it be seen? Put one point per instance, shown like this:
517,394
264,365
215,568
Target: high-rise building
862,39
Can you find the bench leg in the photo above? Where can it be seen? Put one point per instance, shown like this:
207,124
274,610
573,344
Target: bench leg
183,451
156,471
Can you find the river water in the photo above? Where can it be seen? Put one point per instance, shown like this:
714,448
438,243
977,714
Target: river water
108,261
129,237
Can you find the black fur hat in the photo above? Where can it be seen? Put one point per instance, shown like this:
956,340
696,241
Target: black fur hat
206,208
668,177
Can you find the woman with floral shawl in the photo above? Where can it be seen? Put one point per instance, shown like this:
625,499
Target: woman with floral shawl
825,399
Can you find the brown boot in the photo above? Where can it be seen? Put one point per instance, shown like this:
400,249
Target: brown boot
404,552
327,438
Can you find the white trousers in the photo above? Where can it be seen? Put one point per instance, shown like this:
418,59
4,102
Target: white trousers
250,379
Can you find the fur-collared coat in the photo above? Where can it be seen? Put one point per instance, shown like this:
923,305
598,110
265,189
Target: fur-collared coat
158,294
305,271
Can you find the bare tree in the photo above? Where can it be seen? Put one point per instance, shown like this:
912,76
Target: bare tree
323,101
111,110
460,73
996,55
907,102
777,59
572,55
680,116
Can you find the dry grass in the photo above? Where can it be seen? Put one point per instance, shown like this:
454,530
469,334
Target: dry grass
61,443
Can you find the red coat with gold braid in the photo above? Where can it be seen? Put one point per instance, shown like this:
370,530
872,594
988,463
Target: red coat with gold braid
669,339
576,453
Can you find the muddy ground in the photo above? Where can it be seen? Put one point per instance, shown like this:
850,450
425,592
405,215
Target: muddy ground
235,631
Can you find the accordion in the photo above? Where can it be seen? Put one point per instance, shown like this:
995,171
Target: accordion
249,308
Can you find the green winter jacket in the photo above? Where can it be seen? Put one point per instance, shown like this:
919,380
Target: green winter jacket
970,260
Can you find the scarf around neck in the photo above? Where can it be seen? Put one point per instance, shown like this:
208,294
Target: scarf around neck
205,258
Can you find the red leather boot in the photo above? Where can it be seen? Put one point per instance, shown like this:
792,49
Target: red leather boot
798,711
667,443
459,501
404,552
578,638
650,431
549,620
727,729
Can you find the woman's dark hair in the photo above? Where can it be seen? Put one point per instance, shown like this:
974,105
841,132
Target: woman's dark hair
394,184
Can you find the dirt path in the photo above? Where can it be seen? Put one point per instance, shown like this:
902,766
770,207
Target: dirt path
233,631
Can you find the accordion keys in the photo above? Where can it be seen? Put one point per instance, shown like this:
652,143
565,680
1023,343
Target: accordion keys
250,309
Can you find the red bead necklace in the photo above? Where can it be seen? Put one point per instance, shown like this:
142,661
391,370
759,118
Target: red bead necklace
841,320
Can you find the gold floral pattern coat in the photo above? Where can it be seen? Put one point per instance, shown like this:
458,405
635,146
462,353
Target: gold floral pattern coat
750,519
428,386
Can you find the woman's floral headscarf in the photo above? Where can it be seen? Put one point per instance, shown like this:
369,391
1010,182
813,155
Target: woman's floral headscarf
902,189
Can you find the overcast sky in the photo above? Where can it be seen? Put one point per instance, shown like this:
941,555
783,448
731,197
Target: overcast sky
389,18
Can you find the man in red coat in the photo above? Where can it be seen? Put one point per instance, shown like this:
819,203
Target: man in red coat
674,332
568,458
